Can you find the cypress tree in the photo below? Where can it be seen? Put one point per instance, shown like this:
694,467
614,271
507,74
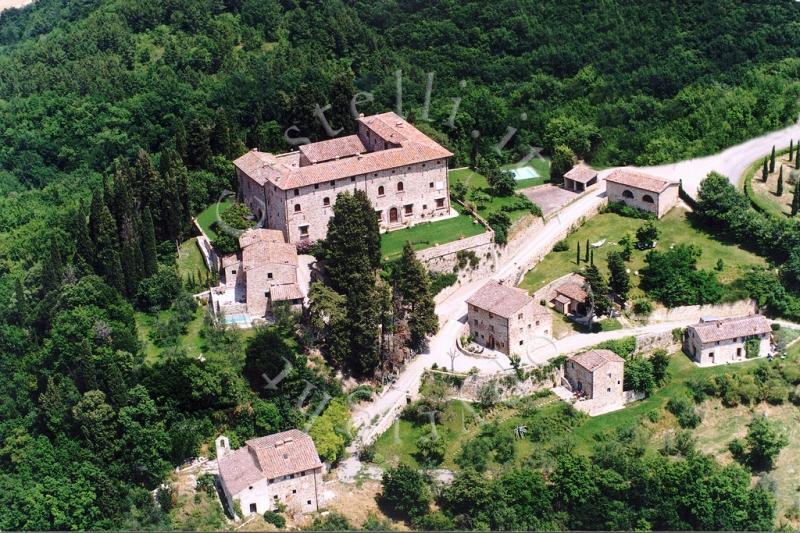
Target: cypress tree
591,257
578,253
765,171
780,183
149,253
221,140
146,180
52,268
108,250
619,280
198,146
586,256
791,149
796,199
599,289
83,240
413,286
180,140
772,160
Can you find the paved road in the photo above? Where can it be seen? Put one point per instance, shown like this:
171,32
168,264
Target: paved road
452,313
731,162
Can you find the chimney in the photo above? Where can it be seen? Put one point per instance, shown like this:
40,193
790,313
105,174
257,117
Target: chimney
361,115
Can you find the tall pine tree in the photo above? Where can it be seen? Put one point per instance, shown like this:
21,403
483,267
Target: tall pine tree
52,268
107,254
772,160
619,280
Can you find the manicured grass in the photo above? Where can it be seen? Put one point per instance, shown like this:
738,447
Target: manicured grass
211,215
675,229
190,260
477,182
429,234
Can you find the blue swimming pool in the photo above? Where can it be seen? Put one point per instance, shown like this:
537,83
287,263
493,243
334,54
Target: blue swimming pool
237,319
524,173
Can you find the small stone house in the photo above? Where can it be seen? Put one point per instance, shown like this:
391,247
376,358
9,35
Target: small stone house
596,375
714,342
643,191
283,468
506,318
580,178
569,297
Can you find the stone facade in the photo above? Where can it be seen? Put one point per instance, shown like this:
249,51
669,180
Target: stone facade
249,477
596,375
715,342
507,320
642,191
403,172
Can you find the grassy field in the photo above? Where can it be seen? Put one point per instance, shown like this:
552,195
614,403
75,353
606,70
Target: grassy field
476,181
190,259
675,229
764,195
192,342
541,165
429,234
210,215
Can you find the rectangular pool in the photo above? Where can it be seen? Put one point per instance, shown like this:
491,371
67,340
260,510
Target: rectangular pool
524,173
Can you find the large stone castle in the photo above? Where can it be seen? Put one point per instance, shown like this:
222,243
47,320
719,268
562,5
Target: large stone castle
403,172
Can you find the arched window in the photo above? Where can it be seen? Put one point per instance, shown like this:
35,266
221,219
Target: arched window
627,194
296,208
648,199
381,190
399,186
326,201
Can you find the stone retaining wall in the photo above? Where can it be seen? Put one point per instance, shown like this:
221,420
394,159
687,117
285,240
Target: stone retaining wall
649,342
727,310
507,383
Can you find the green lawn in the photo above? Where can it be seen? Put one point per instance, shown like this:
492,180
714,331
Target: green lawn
192,342
429,234
478,182
210,215
675,229
764,195
190,260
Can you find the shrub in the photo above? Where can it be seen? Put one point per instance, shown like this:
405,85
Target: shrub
623,347
684,411
752,348
277,520
643,307
206,484
774,391
622,209
440,281
561,246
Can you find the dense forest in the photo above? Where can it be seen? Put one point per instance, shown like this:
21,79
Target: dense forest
118,121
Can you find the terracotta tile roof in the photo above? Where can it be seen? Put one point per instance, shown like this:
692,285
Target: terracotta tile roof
333,149
731,328
573,291
285,170
499,299
269,457
581,173
562,299
285,292
594,359
261,253
228,260
639,180
255,235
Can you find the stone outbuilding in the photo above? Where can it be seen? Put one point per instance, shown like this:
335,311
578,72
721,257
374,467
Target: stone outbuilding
714,342
580,178
643,191
506,318
279,469
402,171
569,297
596,375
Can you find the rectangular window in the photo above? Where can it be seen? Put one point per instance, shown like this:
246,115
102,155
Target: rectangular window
439,203
519,316
304,231
233,272
608,389
409,209
297,192
269,275
316,186
308,502
521,342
